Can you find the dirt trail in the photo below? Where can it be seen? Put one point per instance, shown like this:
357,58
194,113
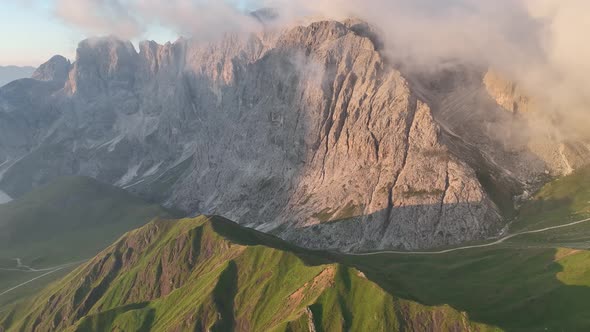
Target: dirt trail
504,239
50,271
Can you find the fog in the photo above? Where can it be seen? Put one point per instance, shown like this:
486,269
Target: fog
536,43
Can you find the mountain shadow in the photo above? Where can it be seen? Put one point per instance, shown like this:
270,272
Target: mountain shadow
512,288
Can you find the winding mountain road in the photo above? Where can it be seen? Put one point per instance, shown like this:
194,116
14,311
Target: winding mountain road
20,267
499,241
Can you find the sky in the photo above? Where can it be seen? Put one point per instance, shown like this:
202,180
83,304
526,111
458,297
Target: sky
31,33
540,44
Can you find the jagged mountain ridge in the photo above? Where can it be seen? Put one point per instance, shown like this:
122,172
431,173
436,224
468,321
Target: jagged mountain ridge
307,132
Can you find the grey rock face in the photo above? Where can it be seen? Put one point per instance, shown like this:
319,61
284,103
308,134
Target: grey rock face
56,69
559,152
308,133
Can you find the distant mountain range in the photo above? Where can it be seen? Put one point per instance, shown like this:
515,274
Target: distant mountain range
11,73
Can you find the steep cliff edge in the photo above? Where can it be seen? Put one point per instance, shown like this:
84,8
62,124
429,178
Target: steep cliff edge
309,133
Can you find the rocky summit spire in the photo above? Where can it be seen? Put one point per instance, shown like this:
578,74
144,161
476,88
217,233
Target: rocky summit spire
56,69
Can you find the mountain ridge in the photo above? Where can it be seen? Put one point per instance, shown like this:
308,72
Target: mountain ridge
308,132
187,266
146,280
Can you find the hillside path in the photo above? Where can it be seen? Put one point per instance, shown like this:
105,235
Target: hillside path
51,271
499,241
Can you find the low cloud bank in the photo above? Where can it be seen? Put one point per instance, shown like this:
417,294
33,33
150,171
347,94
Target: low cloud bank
537,43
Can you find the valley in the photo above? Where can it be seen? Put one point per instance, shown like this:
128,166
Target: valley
307,132
60,225
534,279
315,174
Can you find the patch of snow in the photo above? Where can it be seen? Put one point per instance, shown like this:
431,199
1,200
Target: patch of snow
174,165
4,198
112,144
266,227
153,170
5,162
129,176
6,165
4,170
188,150
134,184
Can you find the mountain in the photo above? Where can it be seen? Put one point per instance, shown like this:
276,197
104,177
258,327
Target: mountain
56,69
12,73
68,220
309,133
208,274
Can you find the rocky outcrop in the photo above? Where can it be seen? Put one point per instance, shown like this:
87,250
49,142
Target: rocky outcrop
508,94
56,69
308,133
545,137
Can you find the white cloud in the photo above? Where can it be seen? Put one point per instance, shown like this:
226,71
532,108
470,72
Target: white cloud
100,16
538,43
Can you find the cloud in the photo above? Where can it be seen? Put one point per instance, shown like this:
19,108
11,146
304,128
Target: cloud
201,19
537,43
100,16
566,53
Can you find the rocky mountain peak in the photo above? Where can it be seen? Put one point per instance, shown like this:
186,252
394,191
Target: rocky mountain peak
507,93
167,59
103,64
56,69
307,132
316,33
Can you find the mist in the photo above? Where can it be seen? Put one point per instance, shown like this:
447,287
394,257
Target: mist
535,43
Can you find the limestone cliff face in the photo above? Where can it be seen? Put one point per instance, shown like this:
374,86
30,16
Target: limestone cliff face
546,139
508,94
309,133
56,69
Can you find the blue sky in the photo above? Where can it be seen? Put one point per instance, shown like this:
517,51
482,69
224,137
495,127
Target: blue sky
31,33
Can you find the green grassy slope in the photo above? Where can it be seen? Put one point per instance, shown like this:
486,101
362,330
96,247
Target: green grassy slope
68,220
529,283
209,274
199,274
45,225
567,198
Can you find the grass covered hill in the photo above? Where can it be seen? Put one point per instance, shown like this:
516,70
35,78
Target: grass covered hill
208,274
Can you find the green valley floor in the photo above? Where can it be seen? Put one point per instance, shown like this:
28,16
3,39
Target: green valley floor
209,273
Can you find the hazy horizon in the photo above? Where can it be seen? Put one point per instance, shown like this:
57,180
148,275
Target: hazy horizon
22,21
